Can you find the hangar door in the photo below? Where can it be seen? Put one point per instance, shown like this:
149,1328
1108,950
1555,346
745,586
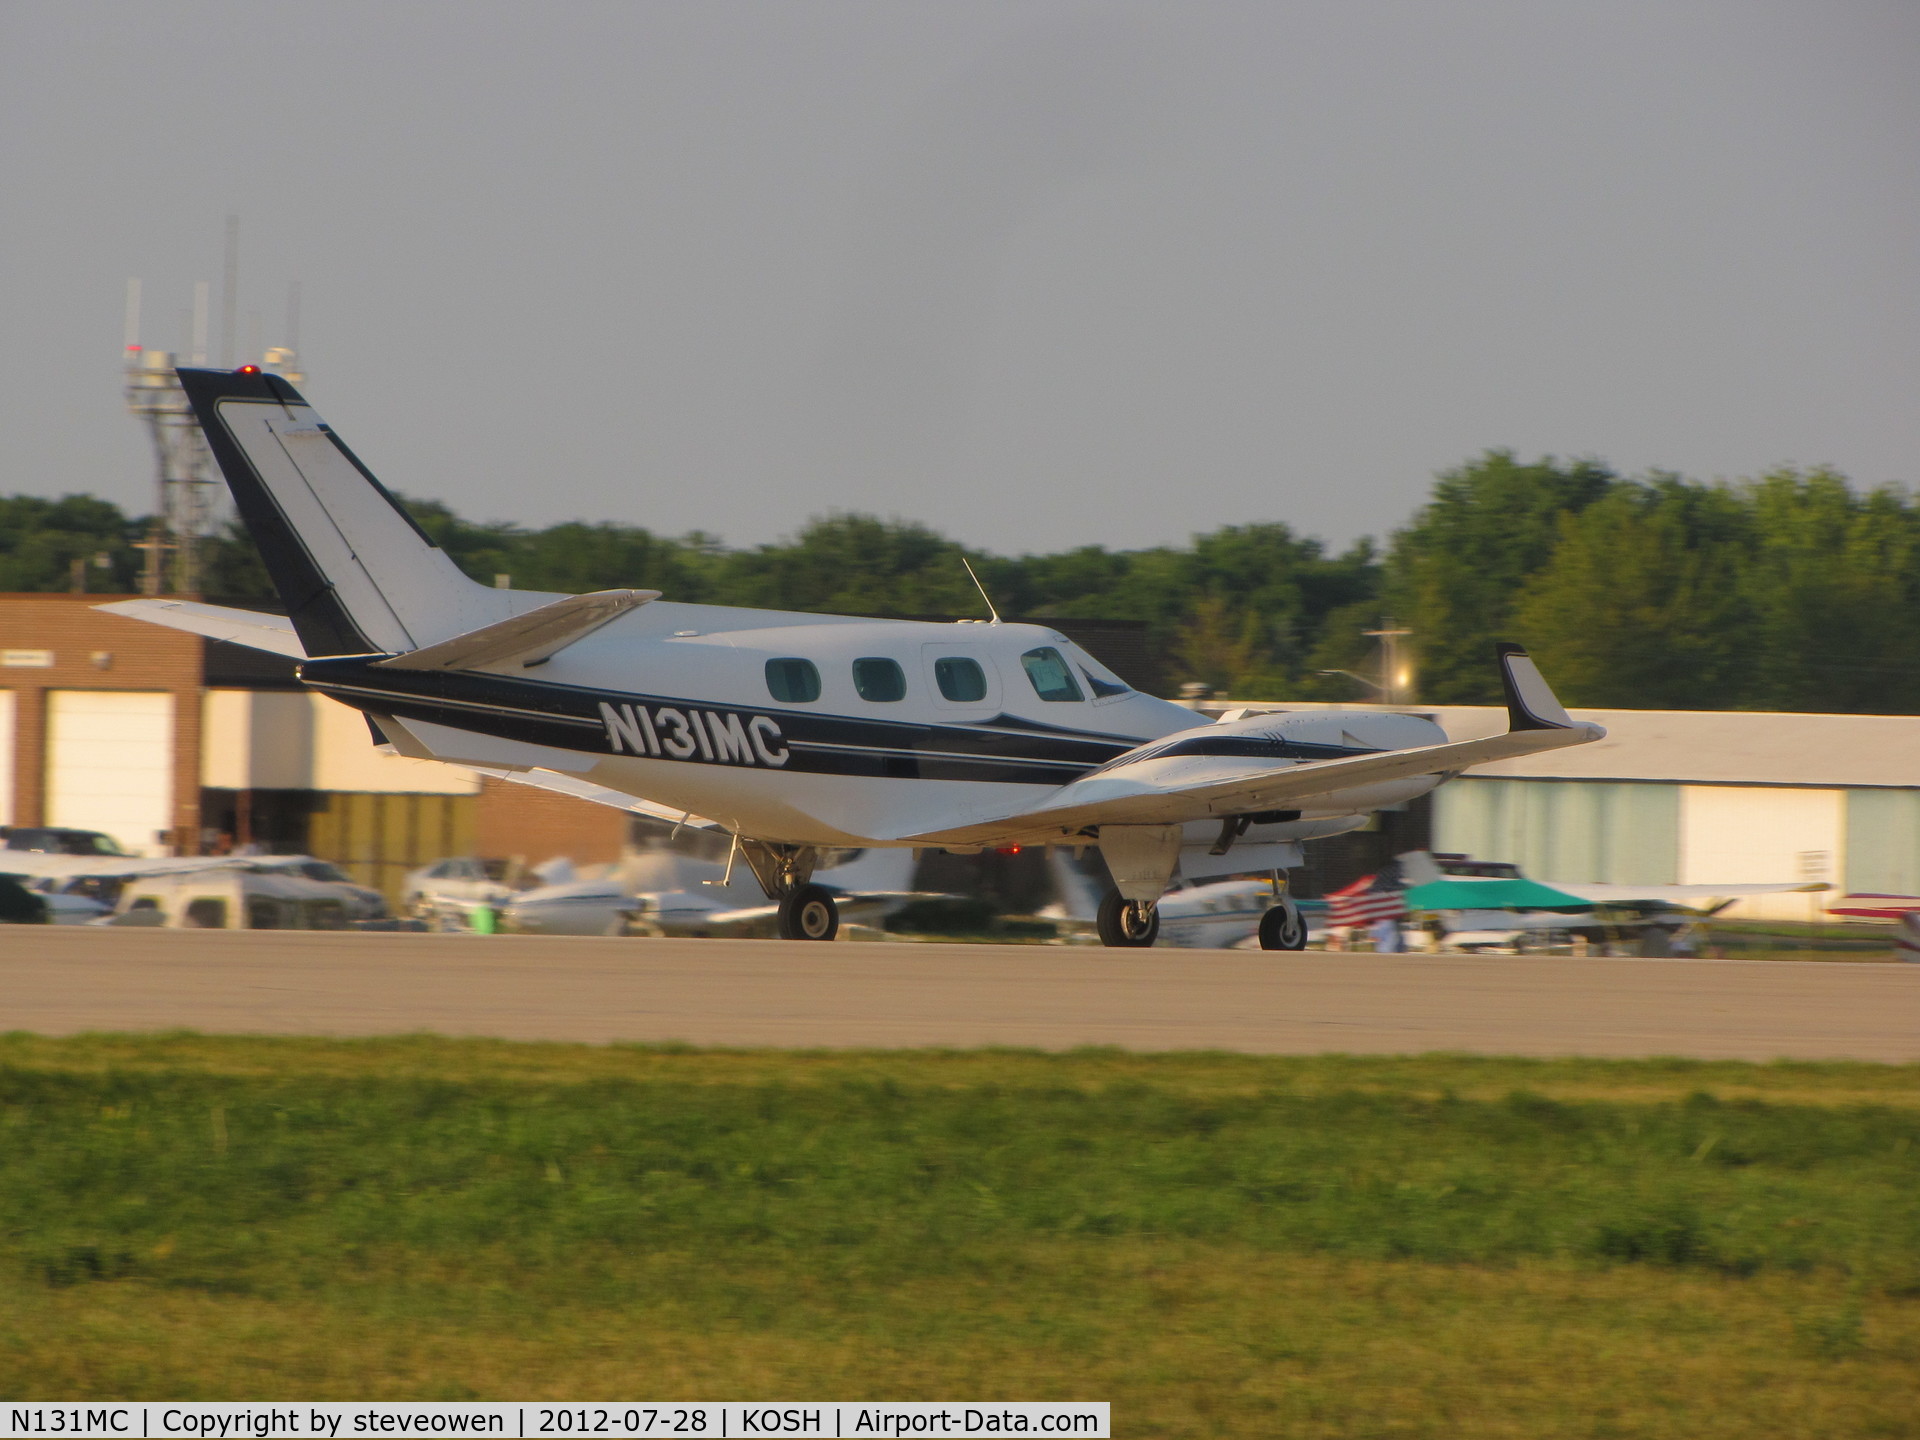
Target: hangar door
1576,830
110,763
1883,842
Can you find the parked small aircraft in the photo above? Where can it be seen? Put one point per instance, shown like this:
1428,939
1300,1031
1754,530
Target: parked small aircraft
1208,915
1653,917
679,895
795,733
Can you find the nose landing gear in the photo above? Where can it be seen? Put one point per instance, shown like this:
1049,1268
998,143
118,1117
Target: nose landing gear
1127,923
808,913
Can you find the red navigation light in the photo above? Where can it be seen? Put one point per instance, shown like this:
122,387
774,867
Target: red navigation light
1008,850
133,349
249,370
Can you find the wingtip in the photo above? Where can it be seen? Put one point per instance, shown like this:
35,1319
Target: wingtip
1531,703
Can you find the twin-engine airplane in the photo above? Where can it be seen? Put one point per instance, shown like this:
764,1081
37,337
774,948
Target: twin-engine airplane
796,733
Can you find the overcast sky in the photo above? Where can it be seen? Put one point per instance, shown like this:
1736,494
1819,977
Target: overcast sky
1037,274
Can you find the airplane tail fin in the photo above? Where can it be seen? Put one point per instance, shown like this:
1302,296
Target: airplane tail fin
357,573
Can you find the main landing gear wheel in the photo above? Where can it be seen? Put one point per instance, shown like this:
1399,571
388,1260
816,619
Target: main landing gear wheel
1283,928
809,914
1127,922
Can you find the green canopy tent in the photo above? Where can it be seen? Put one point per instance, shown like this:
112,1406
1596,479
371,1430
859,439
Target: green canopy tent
1468,893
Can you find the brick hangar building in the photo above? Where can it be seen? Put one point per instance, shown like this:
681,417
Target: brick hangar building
175,744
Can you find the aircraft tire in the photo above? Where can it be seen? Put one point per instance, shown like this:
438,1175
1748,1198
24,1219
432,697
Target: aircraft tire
1122,925
1283,928
809,914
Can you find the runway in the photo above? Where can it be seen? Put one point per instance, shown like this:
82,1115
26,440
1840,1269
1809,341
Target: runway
61,980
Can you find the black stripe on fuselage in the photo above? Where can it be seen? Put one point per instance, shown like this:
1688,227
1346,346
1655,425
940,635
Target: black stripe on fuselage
572,718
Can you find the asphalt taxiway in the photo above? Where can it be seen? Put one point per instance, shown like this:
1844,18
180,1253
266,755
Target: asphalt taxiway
62,980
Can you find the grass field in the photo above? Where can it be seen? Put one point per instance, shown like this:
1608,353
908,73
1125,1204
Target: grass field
1220,1245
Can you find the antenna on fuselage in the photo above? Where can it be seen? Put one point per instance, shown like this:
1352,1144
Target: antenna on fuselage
982,589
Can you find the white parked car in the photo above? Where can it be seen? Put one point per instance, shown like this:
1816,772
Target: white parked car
458,882
238,896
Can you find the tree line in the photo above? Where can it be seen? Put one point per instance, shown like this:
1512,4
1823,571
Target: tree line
1791,591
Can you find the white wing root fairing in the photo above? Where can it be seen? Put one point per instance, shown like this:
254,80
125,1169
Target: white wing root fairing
580,789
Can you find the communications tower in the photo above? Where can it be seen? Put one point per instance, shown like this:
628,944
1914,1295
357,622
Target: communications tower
187,486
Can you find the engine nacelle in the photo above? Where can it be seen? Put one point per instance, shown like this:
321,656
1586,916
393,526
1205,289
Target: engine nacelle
1258,745
1272,840
1340,732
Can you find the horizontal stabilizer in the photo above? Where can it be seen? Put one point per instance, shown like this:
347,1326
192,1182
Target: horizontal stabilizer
216,622
527,639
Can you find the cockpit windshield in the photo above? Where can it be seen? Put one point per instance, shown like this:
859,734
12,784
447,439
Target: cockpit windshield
1051,678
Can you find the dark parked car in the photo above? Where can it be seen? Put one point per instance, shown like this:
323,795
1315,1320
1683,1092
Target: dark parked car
52,840
19,905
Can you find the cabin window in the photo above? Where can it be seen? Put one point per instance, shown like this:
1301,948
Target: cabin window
263,913
877,678
209,912
961,680
1051,678
793,681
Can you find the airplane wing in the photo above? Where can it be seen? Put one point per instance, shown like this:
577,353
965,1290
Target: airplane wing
1683,894
530,638
1146,787
40,864
599,794
216,622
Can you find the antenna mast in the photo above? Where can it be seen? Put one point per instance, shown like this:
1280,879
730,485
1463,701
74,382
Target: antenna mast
230,295
982,589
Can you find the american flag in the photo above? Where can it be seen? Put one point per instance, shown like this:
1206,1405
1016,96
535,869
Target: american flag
1370,898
